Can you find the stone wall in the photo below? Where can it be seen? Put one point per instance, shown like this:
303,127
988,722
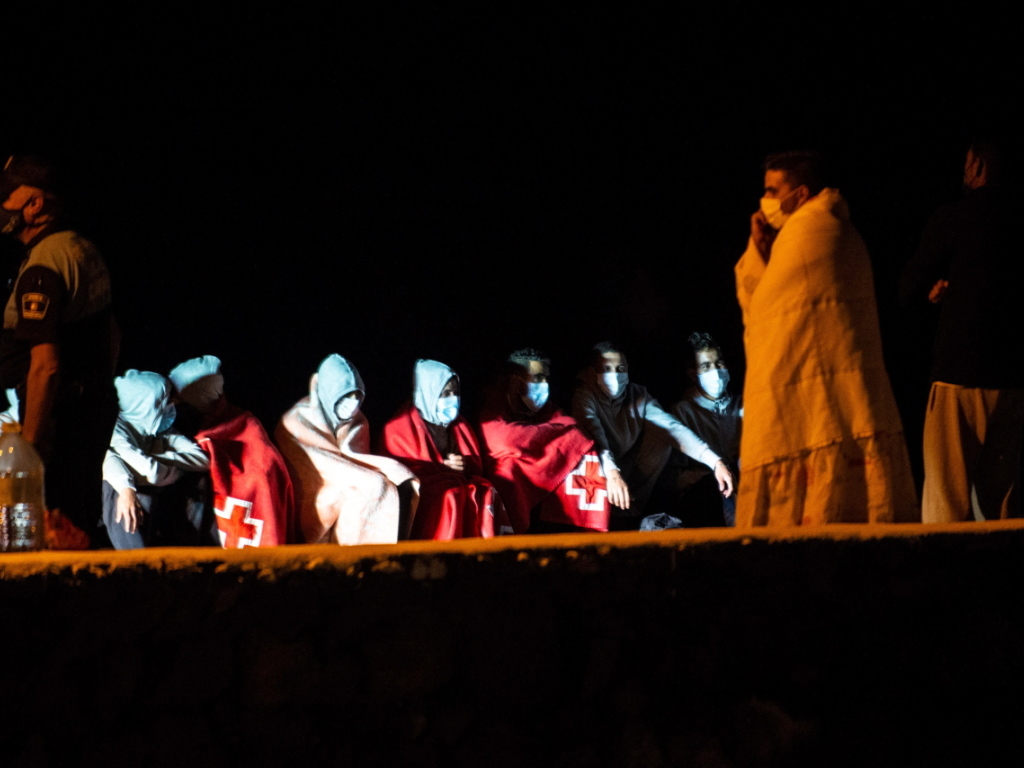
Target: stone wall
846,646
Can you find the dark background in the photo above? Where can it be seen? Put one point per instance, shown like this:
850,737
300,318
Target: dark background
273,186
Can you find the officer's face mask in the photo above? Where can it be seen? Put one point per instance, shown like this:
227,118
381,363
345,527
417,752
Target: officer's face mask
447,410
536,396
714,382
613,383
347,407
11,222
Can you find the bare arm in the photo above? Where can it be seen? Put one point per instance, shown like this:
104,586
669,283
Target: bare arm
40,390
724,477
128,511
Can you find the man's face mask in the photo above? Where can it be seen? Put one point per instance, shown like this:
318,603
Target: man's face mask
714,382
771,207
613,383
447,410
347,407
536,396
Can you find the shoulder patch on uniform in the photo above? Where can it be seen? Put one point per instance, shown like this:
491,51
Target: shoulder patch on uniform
34,305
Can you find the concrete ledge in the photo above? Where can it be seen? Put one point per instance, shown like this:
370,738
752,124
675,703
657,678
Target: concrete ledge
20,565
848,645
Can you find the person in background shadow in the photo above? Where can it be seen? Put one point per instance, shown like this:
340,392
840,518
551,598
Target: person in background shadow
975,416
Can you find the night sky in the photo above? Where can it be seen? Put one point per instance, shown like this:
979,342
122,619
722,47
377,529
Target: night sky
274,186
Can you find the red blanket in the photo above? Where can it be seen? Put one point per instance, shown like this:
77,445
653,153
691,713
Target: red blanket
453,504
251,486
544,461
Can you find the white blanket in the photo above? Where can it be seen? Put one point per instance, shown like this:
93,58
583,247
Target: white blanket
343,493
815,374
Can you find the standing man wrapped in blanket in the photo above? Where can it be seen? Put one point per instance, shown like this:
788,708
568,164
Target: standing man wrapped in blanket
822,439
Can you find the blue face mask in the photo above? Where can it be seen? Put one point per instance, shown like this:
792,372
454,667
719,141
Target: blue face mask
167,419
536,396
447,410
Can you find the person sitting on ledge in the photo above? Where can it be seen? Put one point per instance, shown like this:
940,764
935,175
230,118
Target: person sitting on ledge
716,416
430,437
546,470
153,476
252,491
343,493
634,436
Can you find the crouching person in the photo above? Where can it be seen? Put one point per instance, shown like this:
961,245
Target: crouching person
153,477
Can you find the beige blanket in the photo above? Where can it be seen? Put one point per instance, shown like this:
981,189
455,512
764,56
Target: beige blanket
815,374
343,493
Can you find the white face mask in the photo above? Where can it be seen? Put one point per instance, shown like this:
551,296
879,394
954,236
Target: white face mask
714,382
347,407
536,396
771,207
447,410
613,383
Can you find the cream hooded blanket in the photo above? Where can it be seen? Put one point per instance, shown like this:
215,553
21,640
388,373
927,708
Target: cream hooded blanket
815,374
343,493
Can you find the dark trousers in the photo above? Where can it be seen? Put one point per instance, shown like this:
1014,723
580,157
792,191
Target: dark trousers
174,515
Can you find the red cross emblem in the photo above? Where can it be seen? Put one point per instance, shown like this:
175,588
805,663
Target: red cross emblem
237,526
588,482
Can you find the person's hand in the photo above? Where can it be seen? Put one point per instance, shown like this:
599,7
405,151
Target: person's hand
762,233
724,478
129,512
938,291
454,461
618,491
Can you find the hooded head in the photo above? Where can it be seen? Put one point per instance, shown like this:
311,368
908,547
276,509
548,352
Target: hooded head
339,389
144,399
199,382
430,379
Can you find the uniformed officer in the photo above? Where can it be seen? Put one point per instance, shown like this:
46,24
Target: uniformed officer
59,341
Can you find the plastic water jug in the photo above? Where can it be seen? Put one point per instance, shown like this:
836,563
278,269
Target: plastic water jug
22,525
